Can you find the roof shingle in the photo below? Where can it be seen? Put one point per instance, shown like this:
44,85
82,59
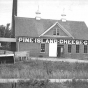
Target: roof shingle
34,28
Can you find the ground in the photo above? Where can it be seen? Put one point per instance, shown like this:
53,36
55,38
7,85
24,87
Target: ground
45,84
44,69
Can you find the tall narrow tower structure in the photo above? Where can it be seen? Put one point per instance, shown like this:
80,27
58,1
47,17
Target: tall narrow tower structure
14,13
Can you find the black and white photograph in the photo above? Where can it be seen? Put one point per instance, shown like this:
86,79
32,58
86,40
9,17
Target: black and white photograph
43,43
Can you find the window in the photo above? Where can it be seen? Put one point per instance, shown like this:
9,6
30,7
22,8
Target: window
69,48
85,48
77,48
56,32
42,47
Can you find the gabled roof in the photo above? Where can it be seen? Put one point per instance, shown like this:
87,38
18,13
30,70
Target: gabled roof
57,23
31,26
34,28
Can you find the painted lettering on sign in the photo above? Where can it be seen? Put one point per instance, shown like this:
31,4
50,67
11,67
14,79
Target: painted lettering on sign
36,40
73,42
60,41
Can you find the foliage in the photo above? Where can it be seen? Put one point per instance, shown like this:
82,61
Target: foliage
45,84
77,84
5,32
44,70
34,83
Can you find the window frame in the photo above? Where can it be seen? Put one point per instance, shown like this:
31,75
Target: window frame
77,48
85,48
56,31
69,48
42,48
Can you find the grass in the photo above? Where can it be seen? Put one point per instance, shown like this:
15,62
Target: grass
35,69
45,84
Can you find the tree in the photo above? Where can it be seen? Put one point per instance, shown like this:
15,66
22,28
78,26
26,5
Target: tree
2,29
5,32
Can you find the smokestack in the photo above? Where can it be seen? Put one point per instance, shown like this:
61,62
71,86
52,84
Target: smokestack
14,13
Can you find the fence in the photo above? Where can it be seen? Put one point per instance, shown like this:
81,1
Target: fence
22,56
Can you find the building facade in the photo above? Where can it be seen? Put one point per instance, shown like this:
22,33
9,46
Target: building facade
52,38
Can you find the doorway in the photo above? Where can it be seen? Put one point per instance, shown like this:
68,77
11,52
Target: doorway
52,49
60,50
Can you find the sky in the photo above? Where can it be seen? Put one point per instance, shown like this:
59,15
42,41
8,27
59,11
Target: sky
75,10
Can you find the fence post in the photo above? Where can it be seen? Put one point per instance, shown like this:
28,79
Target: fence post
14,85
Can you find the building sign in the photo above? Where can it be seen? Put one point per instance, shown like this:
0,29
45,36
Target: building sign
46,40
